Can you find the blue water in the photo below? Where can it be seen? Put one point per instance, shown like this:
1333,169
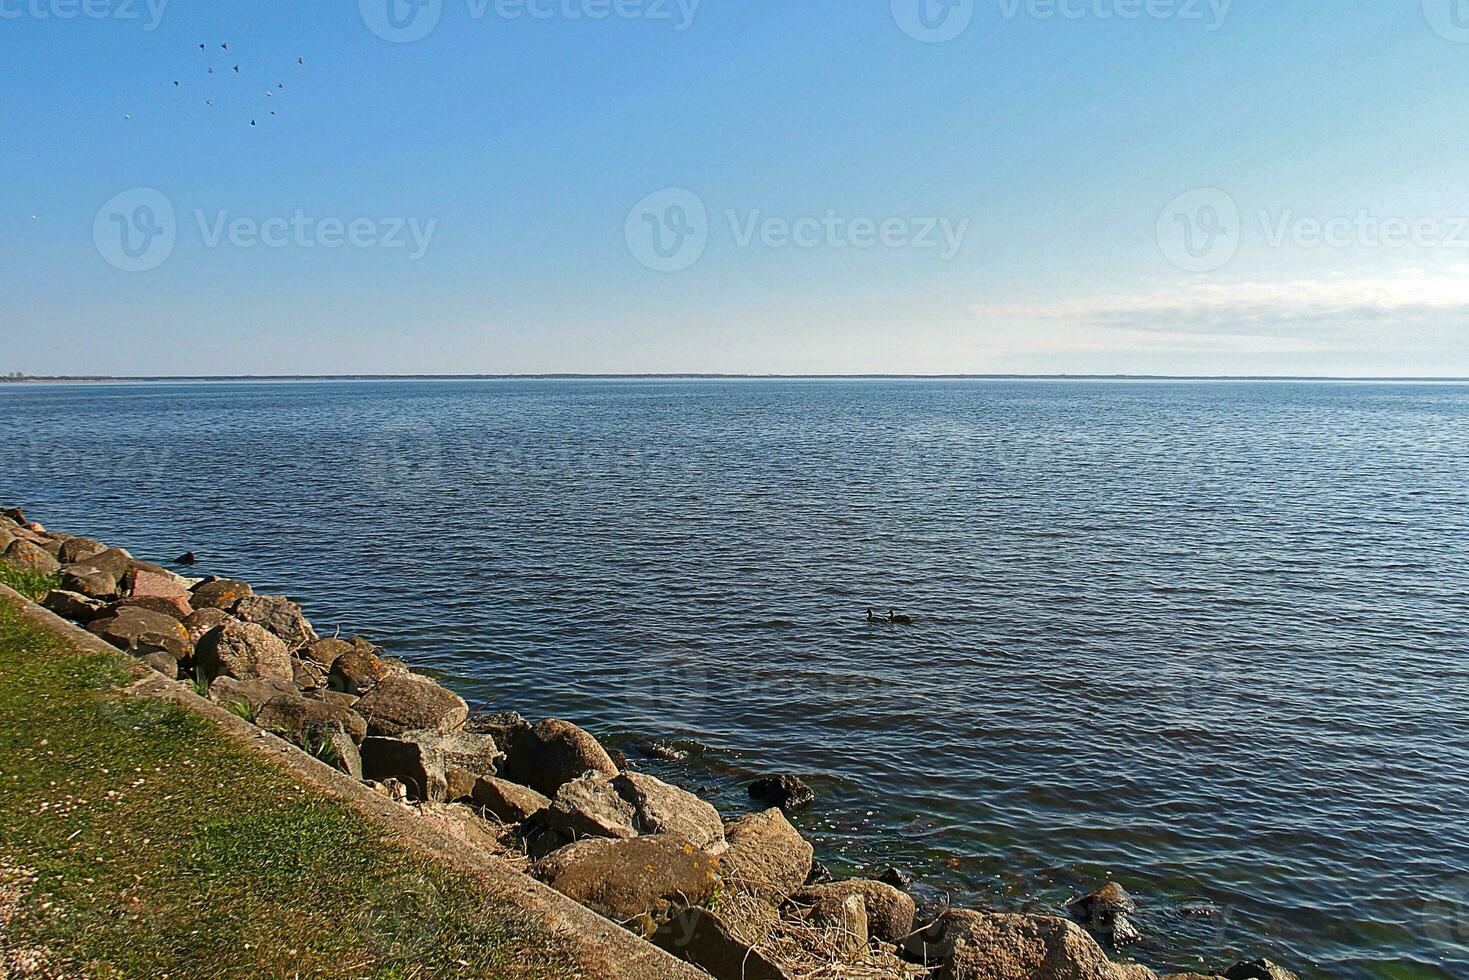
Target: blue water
1207,638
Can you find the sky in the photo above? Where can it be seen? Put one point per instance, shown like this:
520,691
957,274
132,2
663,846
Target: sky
1196,187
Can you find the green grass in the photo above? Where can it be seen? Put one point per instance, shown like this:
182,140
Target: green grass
29,583
137,841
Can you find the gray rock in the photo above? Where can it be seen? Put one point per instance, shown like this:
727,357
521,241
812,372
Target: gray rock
701,937
417,766
280,616
553,753
143,631
1105,912
507,727
254,693
631,879
659,808
165,663
79,549
846,917
510,802
220,593
73,605
408,703
587,806
993,946
358,672
29,557
201,621
94,583
244,651
347,758
325,652
304,721
889,912
766,856
113,562
476,754
460,784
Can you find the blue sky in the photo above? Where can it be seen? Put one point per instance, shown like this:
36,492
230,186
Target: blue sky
1062,186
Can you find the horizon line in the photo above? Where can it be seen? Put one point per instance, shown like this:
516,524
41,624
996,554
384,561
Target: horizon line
714,376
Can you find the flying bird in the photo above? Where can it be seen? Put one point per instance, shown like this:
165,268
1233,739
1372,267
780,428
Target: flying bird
211,71
35,217
209,102
237,69
225,46
252,122
175,84
269,94
201,47
300,61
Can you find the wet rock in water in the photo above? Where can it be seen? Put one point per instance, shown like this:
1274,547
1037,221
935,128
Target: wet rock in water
325,652
553,753
201,621
187,558
1105,912
143,631
820,874
173,607
280,616
896,877
653,748
417,766
220,593
305,721
510,802
244,651
788,792
890,912
73,605
588,806
408,703
251,693
620,760
79,549
699,936
766,856
358,672
635,878
993,946
29,557
1261,969
659,808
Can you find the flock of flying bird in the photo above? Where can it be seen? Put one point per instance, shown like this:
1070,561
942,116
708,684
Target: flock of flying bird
269,92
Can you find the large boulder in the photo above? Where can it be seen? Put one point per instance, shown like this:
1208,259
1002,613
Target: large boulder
114,562
994,946
279,615
701,937
79,549
94,583
587,806
305,721
408,703
510,802
475,754
30,557
143,631
244,651
889,912
220,593
201,621
635,878
766,856
1105,912
174,607
143,582
73,605
418,766
553,753
659,808
844,919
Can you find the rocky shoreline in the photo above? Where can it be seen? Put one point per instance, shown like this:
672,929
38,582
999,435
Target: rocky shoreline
739,898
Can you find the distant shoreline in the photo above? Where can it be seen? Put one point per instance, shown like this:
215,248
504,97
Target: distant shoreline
236,378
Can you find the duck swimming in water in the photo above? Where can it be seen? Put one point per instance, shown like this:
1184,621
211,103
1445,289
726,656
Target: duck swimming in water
873,617
898,620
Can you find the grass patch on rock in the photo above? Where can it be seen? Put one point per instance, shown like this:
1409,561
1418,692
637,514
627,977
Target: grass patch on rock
28,582
137,840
